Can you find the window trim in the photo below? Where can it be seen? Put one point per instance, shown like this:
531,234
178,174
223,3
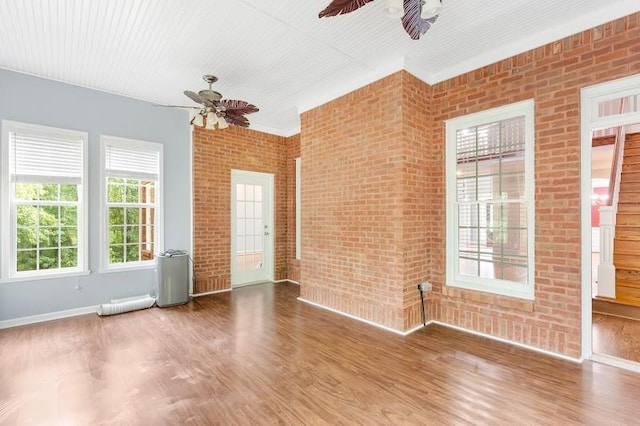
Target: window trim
105,267
495,286
7,274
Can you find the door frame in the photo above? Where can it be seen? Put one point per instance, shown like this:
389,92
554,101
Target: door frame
268,259
589,98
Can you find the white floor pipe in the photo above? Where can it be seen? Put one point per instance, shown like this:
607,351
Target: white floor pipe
128,304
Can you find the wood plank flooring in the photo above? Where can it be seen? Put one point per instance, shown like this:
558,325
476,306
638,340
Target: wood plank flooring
258,356
616,336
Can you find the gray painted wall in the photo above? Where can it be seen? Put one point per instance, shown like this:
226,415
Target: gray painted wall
38,101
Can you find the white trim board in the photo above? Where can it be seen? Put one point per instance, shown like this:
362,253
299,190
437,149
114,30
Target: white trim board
210,292
375,324
192,266
285,133
33,319
616,362
287,281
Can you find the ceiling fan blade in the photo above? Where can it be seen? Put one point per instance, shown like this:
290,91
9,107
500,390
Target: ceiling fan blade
412,22
237,107
197,98
237,120
340,7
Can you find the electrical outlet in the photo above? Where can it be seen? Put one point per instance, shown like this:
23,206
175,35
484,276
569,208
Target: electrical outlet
425,286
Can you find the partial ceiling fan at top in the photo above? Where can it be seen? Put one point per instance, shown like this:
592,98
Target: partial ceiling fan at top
417,15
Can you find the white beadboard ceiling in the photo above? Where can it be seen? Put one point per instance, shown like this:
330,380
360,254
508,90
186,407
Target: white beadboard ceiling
276,54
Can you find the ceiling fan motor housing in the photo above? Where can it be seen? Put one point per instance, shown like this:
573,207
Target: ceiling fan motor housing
210,95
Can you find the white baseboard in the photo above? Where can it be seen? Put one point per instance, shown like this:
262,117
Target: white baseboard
616,362
511,342
211,292
375,324
416,328
33,319
287,281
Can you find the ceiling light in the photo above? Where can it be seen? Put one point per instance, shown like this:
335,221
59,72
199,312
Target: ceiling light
394,8
430,8
213,107
198,120
416,16
212,120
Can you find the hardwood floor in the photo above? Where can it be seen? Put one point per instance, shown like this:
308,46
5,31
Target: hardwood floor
258,356
616,336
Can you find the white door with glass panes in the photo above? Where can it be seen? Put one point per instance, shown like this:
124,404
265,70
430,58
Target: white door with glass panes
251,227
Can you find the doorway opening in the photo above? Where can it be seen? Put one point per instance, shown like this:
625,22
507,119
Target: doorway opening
610,205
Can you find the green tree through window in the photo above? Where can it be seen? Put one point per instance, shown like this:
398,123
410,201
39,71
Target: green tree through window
46,226
131,209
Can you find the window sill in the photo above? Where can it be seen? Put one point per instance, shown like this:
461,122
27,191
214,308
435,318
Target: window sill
52,276
128,268
475,296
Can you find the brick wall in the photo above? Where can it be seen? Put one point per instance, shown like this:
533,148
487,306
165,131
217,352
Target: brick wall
364,177
552,75
293,264
352,234
215,153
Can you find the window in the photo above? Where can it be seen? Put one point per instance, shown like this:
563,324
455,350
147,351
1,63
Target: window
298,202
490,201
43,201
132,187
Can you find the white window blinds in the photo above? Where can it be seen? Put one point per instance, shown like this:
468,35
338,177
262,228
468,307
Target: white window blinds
136,161
45,158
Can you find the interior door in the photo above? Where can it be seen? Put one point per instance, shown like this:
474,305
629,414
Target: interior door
251,227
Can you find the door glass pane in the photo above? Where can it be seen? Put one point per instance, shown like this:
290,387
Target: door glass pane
240,212
249,228
240,245
240,227
240,192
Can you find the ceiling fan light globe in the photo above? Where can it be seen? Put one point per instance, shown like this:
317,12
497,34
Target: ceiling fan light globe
222,123
198,120
212,120
430,8
394,9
